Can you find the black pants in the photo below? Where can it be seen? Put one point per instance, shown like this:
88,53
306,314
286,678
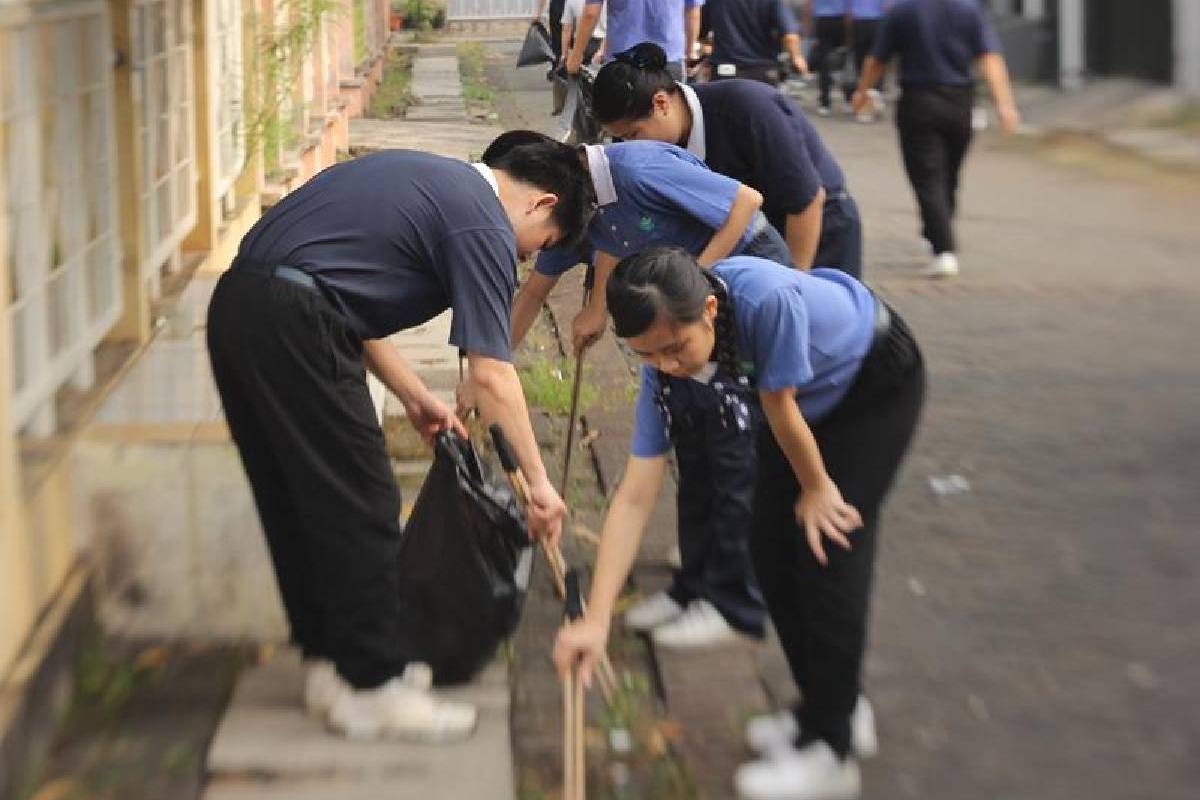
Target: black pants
763,73
840,245
820,613
555,12
830,33
717,471
864,31
934,123
292,383
768,243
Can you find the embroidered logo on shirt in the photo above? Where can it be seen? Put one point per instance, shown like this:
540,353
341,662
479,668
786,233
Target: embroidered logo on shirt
645,224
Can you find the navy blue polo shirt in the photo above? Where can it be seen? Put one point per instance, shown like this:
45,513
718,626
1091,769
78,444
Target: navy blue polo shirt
747,32
937,40
650,193
756,135
395,238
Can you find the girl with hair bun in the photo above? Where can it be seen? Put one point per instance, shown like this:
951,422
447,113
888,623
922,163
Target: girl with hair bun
841,383
748,131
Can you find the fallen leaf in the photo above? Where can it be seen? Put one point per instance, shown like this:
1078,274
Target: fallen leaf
152,658
58,789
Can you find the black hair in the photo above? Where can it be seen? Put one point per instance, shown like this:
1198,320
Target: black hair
537,160
625,87
667,280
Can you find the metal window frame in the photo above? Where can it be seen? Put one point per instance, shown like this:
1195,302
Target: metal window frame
61,200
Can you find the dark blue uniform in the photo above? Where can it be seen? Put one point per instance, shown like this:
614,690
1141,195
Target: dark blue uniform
937,42
746,36
751,132
364,249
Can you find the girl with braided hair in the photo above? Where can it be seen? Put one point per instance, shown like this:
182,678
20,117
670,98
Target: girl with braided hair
840,381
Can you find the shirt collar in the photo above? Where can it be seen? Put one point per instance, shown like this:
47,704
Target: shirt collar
489,176
706,373
695,142
601,173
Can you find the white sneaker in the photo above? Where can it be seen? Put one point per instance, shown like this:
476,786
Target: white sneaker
878,104
322,685
657,609
403,708
811,773
824,111
773,733
700,625
944,265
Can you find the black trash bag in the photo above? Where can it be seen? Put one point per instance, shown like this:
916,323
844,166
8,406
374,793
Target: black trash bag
536,48
464,564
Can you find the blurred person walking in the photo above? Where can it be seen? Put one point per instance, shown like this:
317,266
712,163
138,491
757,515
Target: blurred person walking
938,42
674,25
748,36
864,25
571,14
827,23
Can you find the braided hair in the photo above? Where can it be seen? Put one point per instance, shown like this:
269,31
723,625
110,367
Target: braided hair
667,280
625,87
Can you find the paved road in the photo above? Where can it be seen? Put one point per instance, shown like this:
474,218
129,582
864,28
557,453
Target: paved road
1038,636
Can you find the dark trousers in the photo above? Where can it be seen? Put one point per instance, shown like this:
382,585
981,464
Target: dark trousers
717,472
555,12
763,73
864,31
830,33
292,383
934,123
768,243
841,244
820,613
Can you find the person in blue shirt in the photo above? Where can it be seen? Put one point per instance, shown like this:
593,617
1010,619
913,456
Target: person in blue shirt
828,23
864,25
673,24
938,42
748,36
841,383
366,248
649,193
751,133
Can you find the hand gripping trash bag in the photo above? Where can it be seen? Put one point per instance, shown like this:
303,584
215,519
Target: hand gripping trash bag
464,564
536,48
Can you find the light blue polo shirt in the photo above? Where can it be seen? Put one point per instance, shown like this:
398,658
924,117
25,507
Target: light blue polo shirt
805,330
632,22
867,9
828,8
650,193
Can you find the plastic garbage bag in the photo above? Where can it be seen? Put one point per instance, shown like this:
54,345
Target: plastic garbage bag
464,564
536,48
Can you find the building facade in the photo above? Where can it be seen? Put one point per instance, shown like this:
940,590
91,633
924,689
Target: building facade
139,140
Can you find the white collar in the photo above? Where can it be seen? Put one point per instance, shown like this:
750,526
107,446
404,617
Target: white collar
706,373
695,142
601,174
488,176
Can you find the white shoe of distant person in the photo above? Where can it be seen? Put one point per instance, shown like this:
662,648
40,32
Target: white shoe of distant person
700,625
657,609
775,733
813,772
944,265
322,685
402,708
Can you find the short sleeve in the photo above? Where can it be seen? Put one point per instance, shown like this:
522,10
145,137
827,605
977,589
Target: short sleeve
986,39
558,261
783,165
687,186
778,333
650,437
785,20
885,38
479,267
693,3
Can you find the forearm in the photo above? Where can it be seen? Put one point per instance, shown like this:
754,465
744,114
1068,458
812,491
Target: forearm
500,401
873,70
746,203
583,31
528,304
604,265
792,43
386,364
795,438
803,232
995,72
566,37
691,30
621,535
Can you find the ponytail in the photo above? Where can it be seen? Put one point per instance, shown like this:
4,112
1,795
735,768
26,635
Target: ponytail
625,87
